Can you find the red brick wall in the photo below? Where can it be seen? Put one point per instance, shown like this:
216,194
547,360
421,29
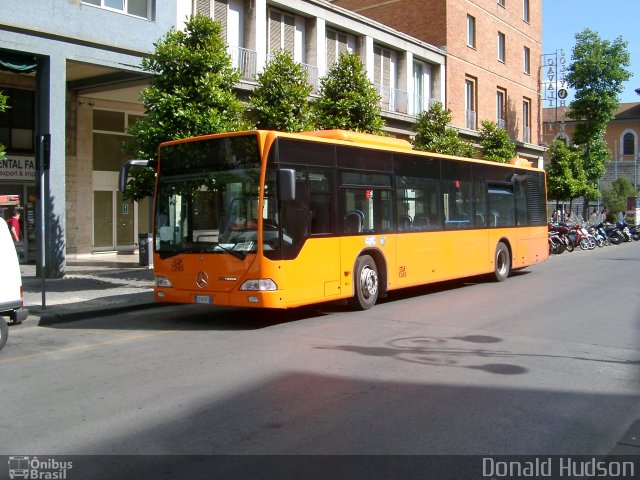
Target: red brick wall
444,23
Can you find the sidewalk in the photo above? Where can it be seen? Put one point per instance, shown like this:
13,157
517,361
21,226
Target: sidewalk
94,284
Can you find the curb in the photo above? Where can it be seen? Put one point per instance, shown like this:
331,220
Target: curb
56,316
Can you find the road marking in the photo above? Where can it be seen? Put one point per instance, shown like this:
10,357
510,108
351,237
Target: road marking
84,347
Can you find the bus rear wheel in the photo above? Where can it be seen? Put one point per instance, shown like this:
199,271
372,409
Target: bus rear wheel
366,283
502,262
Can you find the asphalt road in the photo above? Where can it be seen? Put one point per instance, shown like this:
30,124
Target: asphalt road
547,362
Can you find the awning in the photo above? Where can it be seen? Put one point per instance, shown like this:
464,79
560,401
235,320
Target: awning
17,63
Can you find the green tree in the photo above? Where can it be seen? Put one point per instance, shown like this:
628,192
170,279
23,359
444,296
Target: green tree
495,143
3,107
565,177
347,98
191,93
280,101
432,134
615,198
597,73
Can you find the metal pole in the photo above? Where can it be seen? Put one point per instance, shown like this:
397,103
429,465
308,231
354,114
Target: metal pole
42,153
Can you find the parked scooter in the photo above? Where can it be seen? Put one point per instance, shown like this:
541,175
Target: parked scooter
556,242
600,235
623,226
614,234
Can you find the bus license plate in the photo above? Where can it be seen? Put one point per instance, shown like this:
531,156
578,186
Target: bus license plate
204,299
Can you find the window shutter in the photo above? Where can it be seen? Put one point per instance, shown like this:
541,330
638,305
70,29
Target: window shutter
203,7
377,65
331,48
386,68
343,46
289,33
220,15
275,35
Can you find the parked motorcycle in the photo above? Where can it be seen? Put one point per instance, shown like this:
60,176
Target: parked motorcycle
623,226
614,234
556,242
600,235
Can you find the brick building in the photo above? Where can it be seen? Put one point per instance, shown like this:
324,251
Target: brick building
494,52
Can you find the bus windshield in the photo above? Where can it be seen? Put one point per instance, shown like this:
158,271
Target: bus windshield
207,197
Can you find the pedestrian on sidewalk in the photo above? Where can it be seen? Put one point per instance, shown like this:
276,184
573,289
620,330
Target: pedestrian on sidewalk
14,225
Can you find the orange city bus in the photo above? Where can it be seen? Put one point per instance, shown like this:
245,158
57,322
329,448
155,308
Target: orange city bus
278,220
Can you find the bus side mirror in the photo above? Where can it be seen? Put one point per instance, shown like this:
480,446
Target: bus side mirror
287,184
124,171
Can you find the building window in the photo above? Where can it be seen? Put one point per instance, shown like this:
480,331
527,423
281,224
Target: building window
526,120
282,30
138,8
471,31
501,3
17,123
421,87
628,143
525,10
501,104
501,47
337,43
470,103
527,60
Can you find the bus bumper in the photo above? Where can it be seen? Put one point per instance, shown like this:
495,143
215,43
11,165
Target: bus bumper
254,299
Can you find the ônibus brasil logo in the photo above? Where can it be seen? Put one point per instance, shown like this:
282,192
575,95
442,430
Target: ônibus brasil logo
37,469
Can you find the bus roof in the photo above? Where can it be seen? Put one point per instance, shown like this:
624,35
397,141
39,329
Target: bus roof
359,137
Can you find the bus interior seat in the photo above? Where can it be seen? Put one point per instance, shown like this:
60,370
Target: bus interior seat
421,223
353,221
493,218
404,223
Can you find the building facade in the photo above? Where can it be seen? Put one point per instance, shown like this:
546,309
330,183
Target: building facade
494,50
622,137
71,70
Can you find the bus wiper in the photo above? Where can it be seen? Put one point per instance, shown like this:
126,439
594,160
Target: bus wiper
236,253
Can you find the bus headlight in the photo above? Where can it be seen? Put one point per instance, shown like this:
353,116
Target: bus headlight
259,285
163,282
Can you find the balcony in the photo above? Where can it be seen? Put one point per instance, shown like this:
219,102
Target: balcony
313,77
244,60
392,99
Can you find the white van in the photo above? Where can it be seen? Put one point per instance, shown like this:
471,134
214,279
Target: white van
11,300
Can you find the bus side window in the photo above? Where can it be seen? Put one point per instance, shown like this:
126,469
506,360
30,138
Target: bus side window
320,201
295,217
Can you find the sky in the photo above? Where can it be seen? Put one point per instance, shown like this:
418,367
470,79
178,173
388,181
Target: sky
562,19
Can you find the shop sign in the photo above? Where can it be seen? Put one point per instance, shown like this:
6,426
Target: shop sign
18,168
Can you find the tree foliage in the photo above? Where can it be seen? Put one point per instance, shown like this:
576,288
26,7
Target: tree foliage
280,101
615,198
433,135
191,93
347,98
565,176
495,143
597,73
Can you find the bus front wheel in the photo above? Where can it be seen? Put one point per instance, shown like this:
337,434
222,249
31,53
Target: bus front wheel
366,283
502,262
